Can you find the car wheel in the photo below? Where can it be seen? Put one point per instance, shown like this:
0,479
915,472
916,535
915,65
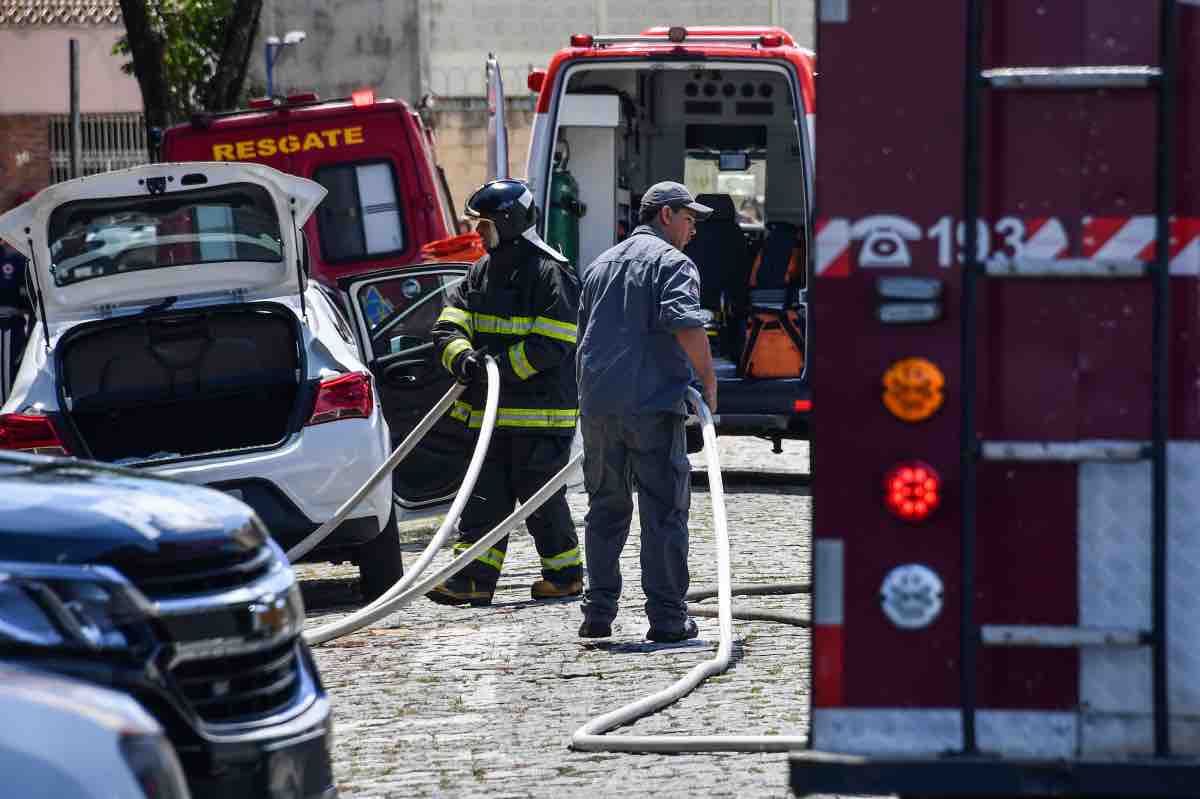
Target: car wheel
379,561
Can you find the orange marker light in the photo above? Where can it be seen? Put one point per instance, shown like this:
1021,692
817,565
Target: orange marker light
912,389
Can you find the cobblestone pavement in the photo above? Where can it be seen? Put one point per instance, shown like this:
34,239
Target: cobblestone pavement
440,701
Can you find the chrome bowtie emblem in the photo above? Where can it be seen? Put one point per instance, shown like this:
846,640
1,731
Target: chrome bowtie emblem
269,616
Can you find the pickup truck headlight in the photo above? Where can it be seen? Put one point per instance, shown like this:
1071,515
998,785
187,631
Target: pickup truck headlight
76,607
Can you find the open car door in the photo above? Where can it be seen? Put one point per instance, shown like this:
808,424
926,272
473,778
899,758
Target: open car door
394,312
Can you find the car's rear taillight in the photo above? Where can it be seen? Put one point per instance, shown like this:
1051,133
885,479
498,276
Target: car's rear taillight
30,434
912,491
344,397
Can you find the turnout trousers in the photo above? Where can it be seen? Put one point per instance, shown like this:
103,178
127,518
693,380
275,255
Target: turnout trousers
647,451
517,466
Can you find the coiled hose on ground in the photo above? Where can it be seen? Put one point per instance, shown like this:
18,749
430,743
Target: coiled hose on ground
591,736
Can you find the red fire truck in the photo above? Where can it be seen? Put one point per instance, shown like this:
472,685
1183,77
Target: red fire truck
1007,455
387,194
711,107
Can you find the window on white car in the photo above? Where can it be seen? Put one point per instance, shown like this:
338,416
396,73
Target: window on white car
400,311
93,238
360,218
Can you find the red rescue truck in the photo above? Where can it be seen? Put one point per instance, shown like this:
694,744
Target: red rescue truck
728,112
387,195
1007,456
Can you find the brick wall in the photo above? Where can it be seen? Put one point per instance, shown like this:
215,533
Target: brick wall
24,155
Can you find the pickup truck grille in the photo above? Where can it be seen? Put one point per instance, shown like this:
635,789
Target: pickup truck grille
241,687
201,575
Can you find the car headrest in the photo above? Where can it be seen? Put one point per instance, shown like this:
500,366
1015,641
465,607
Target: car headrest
722,205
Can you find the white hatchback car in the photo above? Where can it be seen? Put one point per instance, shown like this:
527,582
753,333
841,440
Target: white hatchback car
178,333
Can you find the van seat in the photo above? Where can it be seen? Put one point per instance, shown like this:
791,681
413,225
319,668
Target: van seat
719,251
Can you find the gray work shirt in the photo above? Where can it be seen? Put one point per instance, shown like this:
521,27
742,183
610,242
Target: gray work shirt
635,296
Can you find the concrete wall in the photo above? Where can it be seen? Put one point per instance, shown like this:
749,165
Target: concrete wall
525,33
462,144
35,63
350,44
409,48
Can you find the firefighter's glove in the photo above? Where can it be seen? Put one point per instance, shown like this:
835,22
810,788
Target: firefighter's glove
468,367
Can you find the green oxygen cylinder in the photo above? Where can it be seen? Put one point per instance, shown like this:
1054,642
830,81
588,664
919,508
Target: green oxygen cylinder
562,222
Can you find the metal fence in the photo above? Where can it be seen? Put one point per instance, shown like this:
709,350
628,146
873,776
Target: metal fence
108,142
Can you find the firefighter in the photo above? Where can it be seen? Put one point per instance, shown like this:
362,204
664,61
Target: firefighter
519,304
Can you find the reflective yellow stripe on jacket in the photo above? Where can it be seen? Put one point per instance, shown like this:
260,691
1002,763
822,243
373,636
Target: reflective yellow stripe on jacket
552,328
521,366
458,317
452,350
523,326
502,325
544,418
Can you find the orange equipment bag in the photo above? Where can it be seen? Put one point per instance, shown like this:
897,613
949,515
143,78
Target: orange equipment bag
774,344
464,247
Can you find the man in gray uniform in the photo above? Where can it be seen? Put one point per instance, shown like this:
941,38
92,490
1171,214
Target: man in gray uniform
641,337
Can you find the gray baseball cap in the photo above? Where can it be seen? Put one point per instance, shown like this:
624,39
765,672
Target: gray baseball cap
668,192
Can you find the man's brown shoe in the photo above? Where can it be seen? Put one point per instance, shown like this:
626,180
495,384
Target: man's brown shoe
461,591
544,589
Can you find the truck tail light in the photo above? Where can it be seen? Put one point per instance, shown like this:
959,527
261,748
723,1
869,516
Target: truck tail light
343,397
802,405
30,434
912,491
912,389
581,40
363,98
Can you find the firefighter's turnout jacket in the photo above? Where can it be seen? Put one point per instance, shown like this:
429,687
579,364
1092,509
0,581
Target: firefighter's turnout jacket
522,308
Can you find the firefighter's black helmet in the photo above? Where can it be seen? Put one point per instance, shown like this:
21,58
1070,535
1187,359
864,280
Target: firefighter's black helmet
508,204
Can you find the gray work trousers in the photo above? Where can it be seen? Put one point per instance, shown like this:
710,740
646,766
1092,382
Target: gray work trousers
648,451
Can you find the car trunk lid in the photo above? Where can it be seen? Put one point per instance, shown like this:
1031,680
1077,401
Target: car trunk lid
161,233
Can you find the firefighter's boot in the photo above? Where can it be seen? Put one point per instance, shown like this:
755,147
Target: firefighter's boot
459,590
545,589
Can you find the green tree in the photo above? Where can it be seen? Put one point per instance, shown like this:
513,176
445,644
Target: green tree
188,55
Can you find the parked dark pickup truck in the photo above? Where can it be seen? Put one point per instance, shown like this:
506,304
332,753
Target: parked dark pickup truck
175,595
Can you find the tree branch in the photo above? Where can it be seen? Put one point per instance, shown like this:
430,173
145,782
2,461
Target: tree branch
225,89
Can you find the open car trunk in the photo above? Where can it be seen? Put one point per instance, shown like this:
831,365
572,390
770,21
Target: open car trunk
183,383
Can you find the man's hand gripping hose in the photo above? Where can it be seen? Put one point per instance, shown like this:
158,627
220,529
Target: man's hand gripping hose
591,735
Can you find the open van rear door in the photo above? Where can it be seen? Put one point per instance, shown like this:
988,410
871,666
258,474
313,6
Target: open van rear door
394,311
497,154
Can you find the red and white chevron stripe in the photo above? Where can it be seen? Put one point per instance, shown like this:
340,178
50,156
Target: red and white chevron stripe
833,247
1132,237
1045,237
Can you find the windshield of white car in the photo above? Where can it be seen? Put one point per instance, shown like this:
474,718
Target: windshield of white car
96,238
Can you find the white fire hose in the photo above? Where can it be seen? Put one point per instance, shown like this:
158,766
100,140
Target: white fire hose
400,453
591,735
395,597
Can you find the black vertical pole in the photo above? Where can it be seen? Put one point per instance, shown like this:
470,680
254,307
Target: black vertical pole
968,435
1161,396
76,144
